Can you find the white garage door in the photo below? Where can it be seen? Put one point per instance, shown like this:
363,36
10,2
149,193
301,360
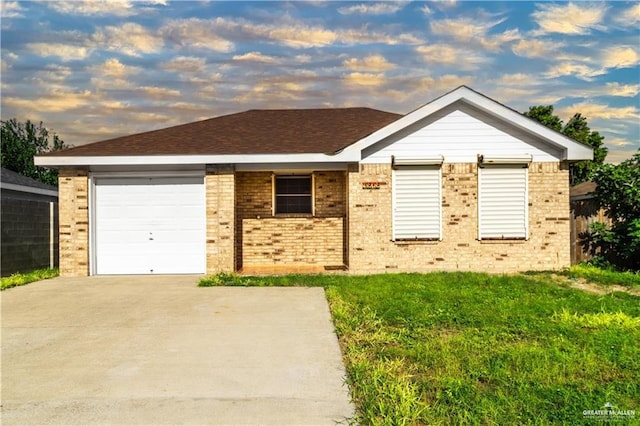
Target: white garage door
149,225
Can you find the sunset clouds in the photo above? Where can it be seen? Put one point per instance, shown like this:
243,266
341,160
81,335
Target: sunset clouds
93,69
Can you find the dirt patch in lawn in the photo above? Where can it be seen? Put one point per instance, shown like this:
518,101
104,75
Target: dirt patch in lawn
584,285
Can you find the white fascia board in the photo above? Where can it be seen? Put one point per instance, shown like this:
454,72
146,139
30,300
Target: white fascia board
290,167
572,150
29,189
71,161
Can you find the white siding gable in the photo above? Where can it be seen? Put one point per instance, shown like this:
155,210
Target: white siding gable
459,133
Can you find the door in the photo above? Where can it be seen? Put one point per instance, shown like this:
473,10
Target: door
152,225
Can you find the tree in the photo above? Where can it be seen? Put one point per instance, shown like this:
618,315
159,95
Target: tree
618,192
577,129
21,142
544,114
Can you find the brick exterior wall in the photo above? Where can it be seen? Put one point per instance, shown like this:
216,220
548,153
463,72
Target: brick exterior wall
330,194
293,240
73,185
262,239
241,227
220,195
370,223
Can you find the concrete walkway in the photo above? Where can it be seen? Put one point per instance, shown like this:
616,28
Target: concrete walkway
159,350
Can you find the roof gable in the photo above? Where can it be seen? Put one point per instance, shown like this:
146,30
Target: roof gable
459,133
569,149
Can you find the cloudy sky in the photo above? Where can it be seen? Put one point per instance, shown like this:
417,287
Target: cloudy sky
92,70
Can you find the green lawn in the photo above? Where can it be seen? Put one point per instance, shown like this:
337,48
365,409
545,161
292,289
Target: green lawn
26,278
467,348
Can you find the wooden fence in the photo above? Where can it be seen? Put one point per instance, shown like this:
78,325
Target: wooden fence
584,212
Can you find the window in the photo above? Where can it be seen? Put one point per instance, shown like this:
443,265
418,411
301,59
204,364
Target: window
417,203
293,194
502,202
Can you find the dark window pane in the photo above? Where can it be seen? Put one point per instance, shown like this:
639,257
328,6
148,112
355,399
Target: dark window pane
293,185
293,204
293,194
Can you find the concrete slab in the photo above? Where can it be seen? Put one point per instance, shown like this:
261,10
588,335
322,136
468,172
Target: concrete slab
159,350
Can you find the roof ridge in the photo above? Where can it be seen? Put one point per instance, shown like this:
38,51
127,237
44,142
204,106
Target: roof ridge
312,109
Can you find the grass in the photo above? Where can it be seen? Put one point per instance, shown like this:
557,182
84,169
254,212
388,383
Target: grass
604,276
468,348
22,279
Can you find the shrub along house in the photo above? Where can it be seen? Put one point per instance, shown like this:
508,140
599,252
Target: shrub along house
462,183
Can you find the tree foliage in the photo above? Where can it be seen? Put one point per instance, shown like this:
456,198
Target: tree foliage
618,192
543,114
577,129
21,142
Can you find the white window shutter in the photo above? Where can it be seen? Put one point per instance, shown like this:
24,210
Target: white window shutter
503,202
417,203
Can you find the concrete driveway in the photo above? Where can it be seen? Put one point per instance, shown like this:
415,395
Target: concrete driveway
159,350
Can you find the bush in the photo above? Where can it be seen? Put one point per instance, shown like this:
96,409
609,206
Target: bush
225,279
18,279
618,192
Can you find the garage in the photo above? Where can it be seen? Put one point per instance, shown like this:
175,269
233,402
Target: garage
149,225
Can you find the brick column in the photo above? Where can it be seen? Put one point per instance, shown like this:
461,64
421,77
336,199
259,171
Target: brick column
73,185
369,219
549,216
220,193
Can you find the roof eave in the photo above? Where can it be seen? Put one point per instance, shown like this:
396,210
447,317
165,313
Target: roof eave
140,160
28,189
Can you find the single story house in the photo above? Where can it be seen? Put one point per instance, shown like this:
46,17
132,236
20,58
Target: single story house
462,183
29,212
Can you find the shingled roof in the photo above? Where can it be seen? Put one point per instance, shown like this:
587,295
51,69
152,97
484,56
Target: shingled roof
295,131
584,189
11,177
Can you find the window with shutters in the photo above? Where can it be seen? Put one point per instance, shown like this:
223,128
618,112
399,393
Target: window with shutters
417,203
503,202
293,194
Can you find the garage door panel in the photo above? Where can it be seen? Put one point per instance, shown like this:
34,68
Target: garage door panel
133,261
166,263
177,236
116,238
150,225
